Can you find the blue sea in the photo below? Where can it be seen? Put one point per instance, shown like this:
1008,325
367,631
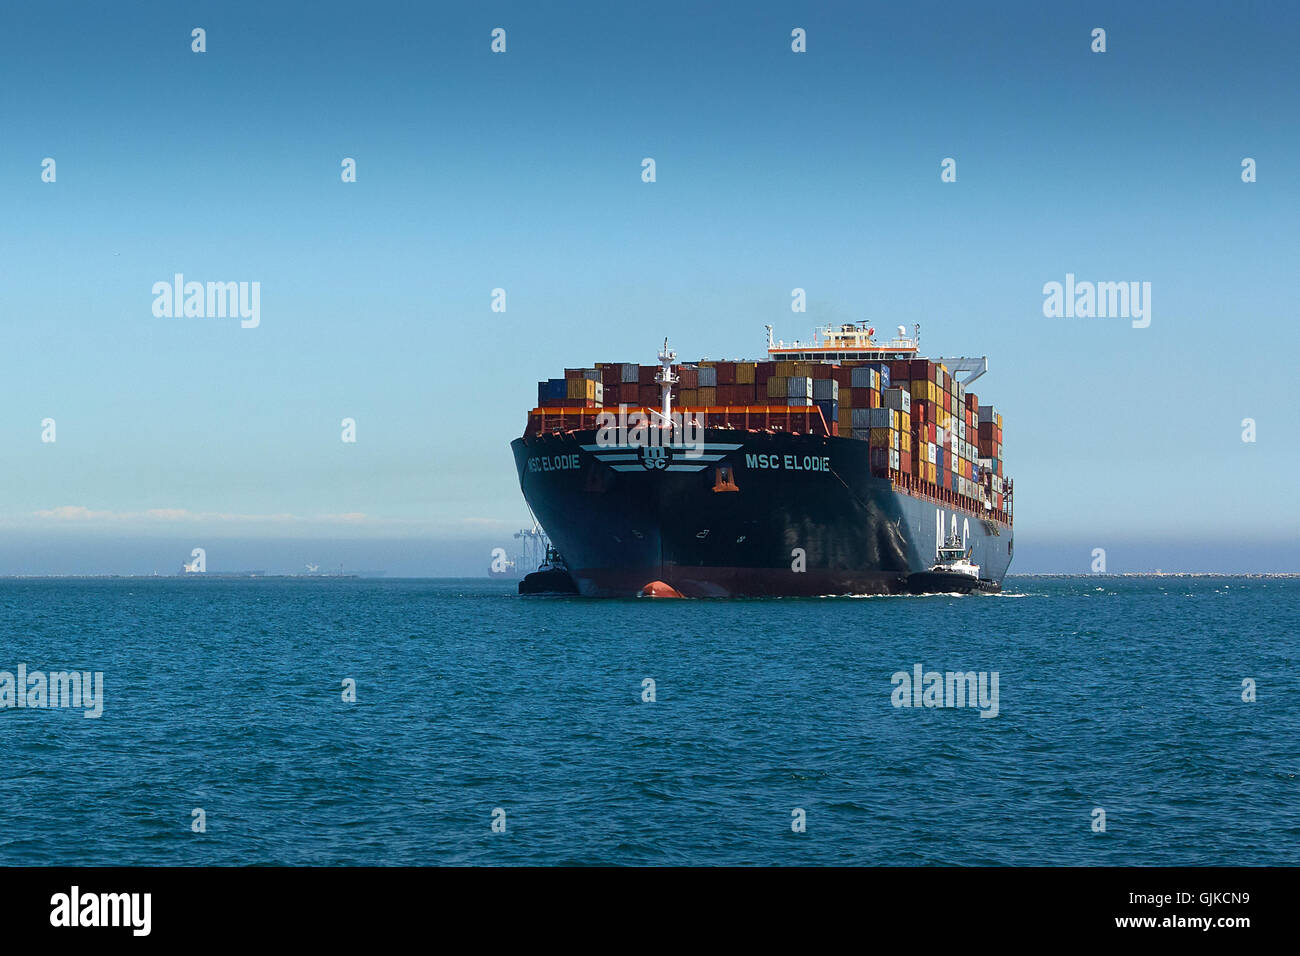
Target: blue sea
473,705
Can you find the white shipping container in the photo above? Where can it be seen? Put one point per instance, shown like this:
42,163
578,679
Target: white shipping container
875,417
862,377
796,387
826,389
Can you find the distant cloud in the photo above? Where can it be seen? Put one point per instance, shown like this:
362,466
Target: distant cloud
72,513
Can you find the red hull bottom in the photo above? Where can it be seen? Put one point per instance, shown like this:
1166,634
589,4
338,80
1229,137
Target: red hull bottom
722,582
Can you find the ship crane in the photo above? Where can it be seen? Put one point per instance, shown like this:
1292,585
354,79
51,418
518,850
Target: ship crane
975,366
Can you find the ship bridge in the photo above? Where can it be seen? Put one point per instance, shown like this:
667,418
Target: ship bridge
851,341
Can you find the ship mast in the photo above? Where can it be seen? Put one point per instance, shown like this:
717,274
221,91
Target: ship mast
667,380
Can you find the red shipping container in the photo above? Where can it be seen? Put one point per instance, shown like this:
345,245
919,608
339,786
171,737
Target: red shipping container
648,395
612,393
899,372
646,375
763,372
744,394
726,373
822,370
690,378
842,374
905,461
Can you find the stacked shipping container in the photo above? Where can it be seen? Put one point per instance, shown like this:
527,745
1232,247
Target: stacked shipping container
921,425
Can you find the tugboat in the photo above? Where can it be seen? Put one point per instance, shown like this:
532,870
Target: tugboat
952,573
551,577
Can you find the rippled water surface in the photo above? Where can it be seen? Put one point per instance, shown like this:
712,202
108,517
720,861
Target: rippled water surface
1116,693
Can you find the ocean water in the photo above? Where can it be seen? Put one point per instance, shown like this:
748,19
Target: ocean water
1123,694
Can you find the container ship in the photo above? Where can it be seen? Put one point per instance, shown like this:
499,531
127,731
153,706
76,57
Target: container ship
840,466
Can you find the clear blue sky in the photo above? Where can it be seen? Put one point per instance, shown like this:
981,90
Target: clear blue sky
522,171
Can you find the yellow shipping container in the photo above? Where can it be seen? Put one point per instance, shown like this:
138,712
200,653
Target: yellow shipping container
745,373
785,369
708,395
880,437
689,397
804,369
777,386
905,422
581,388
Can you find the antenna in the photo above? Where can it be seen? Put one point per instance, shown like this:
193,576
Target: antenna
667,380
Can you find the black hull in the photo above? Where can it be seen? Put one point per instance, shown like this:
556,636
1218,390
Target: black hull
549,581
757,515
939,582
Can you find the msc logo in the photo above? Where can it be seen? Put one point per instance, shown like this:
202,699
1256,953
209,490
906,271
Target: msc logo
655,457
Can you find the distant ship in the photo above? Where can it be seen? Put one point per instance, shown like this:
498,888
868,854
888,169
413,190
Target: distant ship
838,467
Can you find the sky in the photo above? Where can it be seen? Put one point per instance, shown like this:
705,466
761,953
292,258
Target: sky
522,171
